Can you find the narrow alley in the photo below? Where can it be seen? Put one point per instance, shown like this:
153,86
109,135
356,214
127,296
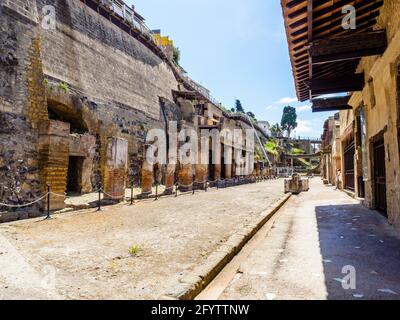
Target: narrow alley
302,253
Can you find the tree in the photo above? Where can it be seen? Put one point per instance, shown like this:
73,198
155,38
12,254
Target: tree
276,130
177,55
238,106
289,120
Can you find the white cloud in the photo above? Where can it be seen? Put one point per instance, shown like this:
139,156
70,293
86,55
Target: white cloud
282,101
286,100
304,127
306,107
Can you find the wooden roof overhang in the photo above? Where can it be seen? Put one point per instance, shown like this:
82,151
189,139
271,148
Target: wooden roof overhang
331,104
324,55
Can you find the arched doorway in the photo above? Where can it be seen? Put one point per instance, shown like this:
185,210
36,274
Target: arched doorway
78,152
66,151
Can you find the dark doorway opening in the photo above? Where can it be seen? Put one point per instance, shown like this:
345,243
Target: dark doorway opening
349,152
211,167
380,176
74,178
223,167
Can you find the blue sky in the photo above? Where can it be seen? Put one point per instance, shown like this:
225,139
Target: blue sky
237,49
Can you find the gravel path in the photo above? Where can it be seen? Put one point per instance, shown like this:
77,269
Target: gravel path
85,255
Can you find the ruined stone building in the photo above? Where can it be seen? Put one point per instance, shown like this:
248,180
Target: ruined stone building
78,95
357,61
330,150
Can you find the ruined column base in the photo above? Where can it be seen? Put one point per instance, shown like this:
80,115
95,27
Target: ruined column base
296,185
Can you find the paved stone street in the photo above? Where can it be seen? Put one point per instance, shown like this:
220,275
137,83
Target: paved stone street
303,252
86,254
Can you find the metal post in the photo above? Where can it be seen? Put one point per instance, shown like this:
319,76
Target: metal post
206,186
156,191
132,193
176,190
48,202
194,180
99,201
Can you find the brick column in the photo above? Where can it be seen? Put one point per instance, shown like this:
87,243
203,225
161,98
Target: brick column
115,169
53,159
201,174
169,179
217,172
185,177
228,171
147,178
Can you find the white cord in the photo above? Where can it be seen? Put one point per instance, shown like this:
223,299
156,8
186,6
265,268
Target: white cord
23,205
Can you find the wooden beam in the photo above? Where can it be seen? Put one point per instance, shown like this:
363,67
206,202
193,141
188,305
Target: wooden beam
331,104
348,83
348,47
310,18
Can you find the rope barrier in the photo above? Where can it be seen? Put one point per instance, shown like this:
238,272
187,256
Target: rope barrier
213,181
113,197
202,182
23,205
183,186
105,193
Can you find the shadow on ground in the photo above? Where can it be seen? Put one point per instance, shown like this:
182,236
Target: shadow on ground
352,235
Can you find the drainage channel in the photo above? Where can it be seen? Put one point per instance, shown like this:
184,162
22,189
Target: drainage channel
216,287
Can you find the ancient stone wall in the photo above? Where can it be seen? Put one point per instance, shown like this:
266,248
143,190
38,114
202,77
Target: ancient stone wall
19,94
92,72
380,100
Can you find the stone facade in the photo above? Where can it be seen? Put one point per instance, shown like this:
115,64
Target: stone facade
380,101
66,92
77,101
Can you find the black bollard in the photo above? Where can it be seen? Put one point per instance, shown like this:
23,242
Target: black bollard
48,202
99,201
176,190
156,191
132,193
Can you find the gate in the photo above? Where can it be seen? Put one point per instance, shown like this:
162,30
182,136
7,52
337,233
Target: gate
349,152
380,176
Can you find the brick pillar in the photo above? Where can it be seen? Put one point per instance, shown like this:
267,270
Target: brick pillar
53,160
169,179
228,171
217,172
186,177
147,178
201,175
115,170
